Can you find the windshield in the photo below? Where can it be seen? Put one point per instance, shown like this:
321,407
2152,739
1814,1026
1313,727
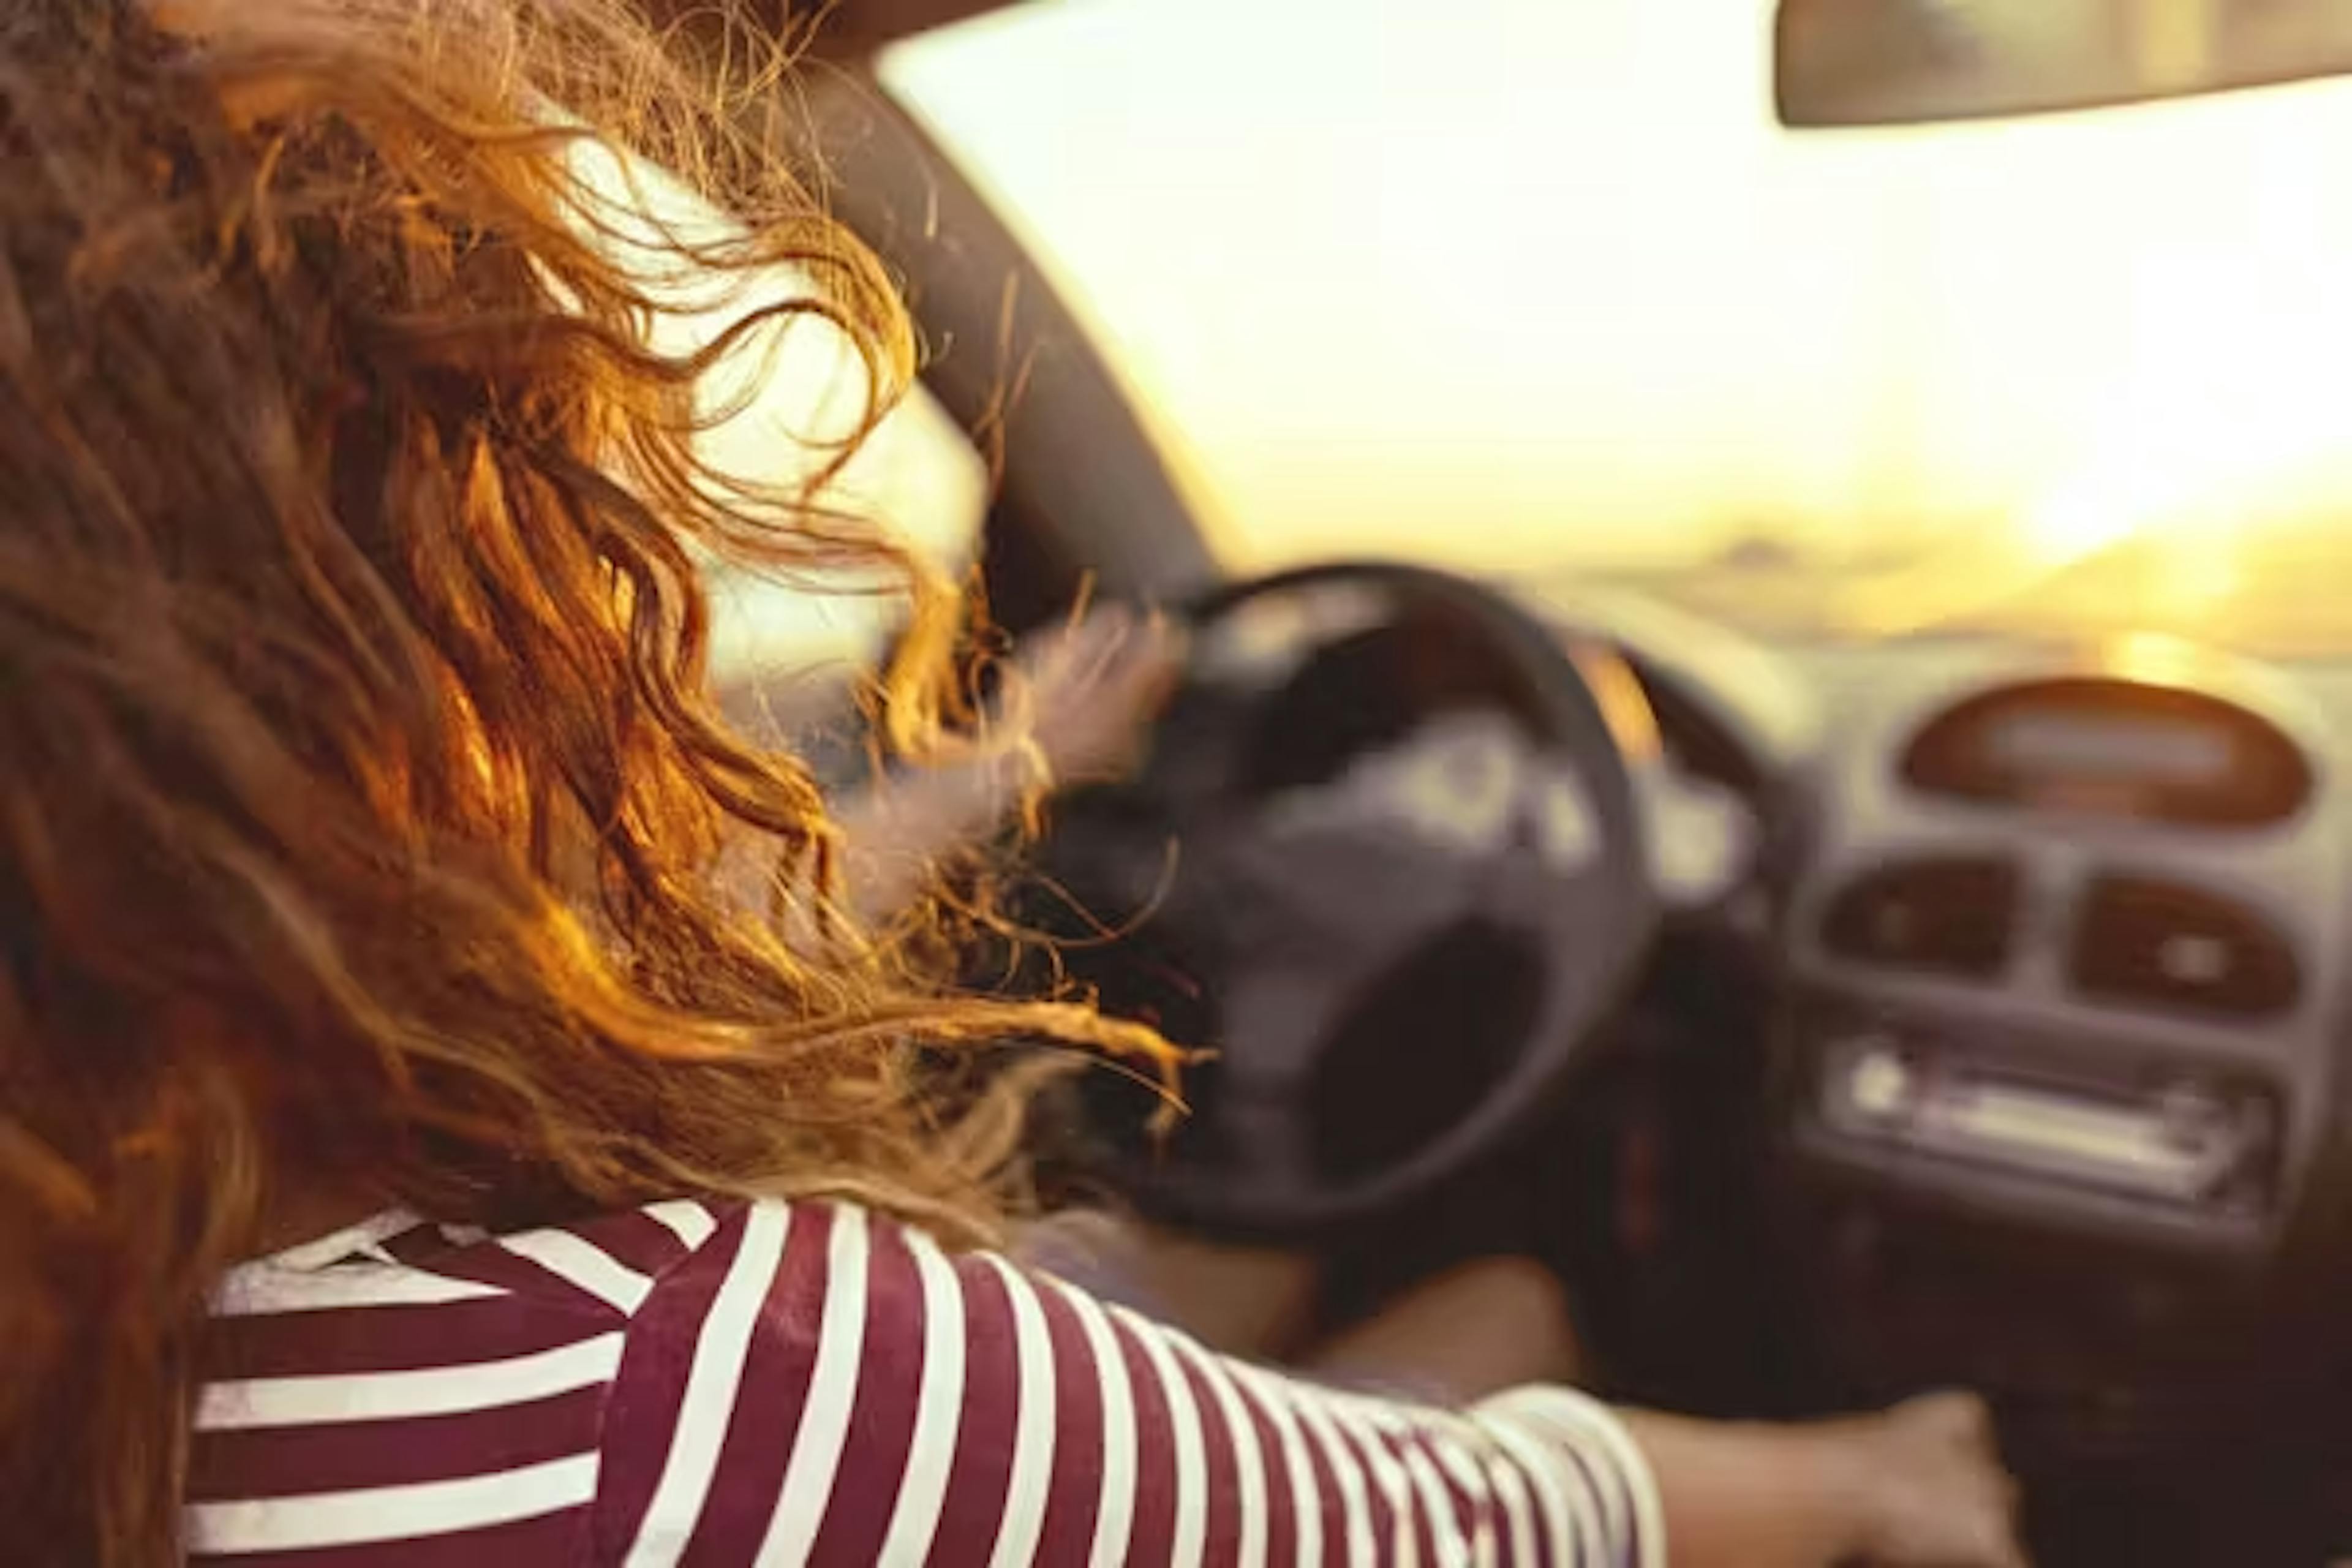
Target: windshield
1544,288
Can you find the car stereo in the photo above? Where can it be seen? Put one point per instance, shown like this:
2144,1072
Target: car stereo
2195,1142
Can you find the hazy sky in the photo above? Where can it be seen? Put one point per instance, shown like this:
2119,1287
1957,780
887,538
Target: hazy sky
1508,281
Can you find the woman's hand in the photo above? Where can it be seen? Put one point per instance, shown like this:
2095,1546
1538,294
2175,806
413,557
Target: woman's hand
1927,1486
1091,689
1919,1486
1084,694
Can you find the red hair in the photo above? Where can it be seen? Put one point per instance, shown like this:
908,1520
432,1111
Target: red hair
362,809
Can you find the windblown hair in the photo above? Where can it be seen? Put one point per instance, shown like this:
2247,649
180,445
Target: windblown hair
365,828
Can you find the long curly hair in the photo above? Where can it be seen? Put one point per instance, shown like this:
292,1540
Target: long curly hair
365,828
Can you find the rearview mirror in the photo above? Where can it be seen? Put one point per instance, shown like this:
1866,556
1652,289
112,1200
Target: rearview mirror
1893,62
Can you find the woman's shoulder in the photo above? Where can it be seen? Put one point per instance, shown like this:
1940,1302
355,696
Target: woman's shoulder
401,1382
595,1266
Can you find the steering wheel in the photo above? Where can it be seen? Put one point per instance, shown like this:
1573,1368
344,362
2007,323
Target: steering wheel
1384,799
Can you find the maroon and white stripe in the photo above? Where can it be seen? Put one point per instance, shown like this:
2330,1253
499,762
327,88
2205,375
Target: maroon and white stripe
1114,1513
1066,1533
938,1405
758,1383
732,1423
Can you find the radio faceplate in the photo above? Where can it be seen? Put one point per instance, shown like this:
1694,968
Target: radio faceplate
2192,1141
2104,1137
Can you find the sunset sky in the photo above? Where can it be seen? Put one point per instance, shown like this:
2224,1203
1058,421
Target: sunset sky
1544,282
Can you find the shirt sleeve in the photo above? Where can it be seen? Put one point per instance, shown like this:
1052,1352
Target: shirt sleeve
819,1385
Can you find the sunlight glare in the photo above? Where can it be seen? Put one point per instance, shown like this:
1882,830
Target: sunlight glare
1547,286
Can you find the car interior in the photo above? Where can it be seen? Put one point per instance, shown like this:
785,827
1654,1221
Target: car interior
1857,959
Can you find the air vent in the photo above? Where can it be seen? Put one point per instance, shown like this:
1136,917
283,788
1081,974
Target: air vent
2167,945
1949,915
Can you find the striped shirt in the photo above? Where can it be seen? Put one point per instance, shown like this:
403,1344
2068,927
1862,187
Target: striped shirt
764,1382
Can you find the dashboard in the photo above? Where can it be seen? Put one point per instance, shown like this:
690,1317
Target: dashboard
2065,939
2038,1090
2058,931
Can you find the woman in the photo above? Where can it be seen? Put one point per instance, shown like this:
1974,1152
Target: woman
412,1147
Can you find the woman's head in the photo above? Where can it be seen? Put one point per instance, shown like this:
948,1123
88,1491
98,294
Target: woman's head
361,808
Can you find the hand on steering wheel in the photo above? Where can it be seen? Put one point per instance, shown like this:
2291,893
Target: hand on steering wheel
1488,795
1089,689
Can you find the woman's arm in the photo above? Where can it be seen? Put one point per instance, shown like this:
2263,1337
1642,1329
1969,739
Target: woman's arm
870,1397
1919,1485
